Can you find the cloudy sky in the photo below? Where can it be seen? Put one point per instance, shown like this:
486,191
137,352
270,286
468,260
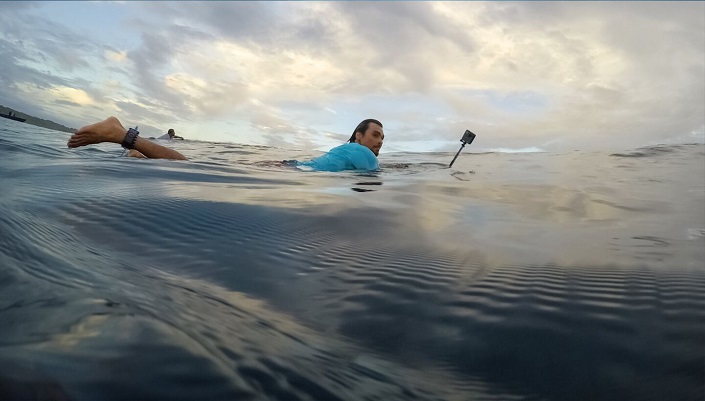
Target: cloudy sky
554,76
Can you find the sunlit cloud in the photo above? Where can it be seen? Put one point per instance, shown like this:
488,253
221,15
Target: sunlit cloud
72,95
116,56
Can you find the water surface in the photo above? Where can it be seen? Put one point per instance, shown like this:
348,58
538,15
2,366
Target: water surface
533,276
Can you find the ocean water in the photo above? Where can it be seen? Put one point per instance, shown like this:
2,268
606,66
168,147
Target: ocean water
511,276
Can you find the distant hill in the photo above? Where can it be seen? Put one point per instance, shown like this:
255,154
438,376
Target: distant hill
39,122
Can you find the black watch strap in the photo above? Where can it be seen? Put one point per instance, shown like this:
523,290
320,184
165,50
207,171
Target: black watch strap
130,138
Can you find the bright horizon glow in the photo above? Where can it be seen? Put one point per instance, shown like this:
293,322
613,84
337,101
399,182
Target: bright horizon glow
301,75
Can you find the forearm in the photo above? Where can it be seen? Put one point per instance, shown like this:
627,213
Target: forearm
150,149
155,151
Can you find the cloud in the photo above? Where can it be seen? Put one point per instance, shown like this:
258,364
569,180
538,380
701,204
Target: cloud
280,132
76,96
209,99
42,65
66,103
115,56
237,21
518,74
146,112
599,87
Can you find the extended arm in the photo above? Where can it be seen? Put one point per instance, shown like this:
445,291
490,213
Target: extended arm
111,130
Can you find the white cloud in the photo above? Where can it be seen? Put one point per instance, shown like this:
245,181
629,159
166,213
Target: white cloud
73,95
116,56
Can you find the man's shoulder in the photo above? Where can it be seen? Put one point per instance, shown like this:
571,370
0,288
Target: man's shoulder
362,157
353,147
365,151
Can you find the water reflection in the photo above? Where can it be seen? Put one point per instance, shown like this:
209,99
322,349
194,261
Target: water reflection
365,184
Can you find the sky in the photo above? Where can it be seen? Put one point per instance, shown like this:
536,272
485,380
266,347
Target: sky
553,76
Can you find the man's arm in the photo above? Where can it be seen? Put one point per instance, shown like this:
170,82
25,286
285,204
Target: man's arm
154,150
111,130
364,159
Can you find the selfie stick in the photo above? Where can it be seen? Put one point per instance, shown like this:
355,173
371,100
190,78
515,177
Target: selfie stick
467,139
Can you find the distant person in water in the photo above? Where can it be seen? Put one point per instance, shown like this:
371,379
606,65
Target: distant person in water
360,153
171,134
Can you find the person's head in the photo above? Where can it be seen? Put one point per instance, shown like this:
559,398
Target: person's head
171,132
369,133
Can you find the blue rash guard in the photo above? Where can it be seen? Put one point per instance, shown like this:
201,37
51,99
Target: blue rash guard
349,156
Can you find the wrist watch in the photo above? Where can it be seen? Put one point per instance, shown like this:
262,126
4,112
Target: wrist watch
130,138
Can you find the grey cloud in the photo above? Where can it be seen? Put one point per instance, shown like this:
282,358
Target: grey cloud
53,46
398,35
134,112
15,100
646,31
40,42
155,52
270,27
295,128
222,97
659,94
563,13
397,26
393,36
67,103
241,19
18,8
513,14
280,132
316,35
233,20
210,21
50,41
13,74
13,56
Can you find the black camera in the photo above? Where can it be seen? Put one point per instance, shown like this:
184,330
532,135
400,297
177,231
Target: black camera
468,137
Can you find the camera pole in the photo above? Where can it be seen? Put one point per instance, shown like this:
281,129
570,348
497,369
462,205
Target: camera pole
456,155
467,138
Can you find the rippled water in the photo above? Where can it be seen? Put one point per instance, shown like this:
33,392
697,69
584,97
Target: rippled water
574,276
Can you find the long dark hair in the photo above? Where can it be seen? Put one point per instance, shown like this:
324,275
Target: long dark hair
362,128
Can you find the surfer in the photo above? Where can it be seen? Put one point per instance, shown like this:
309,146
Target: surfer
360,153
171,134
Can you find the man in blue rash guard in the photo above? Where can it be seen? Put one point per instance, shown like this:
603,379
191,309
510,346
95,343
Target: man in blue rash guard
360,153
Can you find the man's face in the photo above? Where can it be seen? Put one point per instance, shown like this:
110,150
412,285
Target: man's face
372,138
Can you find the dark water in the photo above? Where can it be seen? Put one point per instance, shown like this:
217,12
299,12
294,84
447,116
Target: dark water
575,276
